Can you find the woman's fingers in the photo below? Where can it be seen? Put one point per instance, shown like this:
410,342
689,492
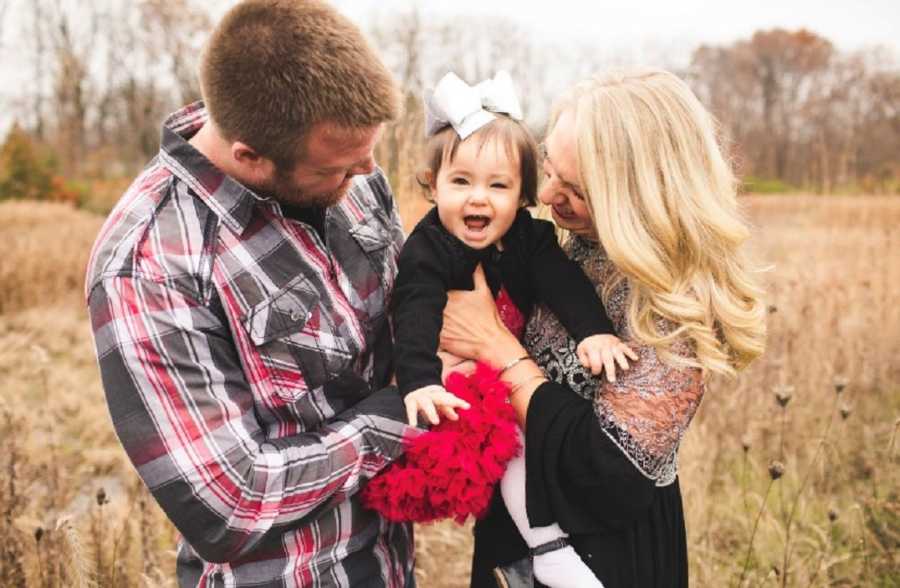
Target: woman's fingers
471,322
479,280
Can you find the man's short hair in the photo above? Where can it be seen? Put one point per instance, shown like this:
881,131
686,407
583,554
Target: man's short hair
274,68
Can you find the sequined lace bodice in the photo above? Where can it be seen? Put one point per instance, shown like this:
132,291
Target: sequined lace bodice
649,407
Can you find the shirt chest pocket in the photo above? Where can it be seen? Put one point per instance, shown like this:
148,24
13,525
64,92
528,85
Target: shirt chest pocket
298,348
372,236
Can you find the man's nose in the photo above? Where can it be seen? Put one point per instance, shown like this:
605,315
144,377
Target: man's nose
364,167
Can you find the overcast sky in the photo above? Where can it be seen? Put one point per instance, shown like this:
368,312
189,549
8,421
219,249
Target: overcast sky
658,27
849,24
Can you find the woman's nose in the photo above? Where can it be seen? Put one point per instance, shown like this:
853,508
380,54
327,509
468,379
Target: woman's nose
548,194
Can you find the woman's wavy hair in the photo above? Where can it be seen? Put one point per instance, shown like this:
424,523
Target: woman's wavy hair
664,202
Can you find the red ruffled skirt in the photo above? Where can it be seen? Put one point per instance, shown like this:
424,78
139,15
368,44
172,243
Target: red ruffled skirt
450,471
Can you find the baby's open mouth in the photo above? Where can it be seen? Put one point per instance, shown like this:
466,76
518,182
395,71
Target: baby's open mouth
476,222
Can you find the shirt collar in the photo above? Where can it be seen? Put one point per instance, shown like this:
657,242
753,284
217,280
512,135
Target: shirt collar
230,200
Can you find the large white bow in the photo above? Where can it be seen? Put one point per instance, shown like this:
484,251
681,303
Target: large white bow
454,102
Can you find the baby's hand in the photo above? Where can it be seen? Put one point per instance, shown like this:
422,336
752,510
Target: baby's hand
428,400
602,352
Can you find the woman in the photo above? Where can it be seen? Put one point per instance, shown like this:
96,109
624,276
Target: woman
634,173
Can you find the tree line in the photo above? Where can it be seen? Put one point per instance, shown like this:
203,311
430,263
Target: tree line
793,109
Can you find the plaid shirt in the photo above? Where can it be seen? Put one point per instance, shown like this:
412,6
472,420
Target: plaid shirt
246,365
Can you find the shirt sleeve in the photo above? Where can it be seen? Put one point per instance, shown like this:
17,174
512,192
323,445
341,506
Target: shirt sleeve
184,412
578,475
417,307
561,284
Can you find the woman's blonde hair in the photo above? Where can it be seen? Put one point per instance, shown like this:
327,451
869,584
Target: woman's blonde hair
664,203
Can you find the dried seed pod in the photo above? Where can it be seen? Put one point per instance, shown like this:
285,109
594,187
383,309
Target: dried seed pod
840,383
776,470
783,395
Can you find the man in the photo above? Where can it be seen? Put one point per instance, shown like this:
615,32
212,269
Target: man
237,295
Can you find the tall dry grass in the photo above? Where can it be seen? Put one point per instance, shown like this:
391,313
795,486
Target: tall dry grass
831,519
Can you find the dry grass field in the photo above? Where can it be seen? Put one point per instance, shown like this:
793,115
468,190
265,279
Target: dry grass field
824,402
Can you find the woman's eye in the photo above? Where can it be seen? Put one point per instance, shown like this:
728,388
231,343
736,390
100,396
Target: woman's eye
498,186
459,181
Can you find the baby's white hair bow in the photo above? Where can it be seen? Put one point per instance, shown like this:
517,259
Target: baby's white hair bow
454,102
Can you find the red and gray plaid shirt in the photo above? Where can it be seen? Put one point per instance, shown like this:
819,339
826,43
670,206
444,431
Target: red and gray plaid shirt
246,365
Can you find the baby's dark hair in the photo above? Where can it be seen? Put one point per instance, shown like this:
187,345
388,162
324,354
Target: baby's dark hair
513,134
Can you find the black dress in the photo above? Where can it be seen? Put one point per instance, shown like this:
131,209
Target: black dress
606,481
626,529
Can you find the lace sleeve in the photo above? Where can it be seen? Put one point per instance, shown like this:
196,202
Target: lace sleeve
648,409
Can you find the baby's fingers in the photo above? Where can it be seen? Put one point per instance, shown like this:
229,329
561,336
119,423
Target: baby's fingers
448,402
630,352
595,361
620,358
427,408
412,414
448,412
609,365
583,356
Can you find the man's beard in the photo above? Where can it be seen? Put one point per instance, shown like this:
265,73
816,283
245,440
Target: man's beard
285,192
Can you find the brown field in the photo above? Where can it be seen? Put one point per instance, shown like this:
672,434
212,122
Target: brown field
73,513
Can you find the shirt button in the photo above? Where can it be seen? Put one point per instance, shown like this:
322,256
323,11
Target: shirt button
296,315
590,556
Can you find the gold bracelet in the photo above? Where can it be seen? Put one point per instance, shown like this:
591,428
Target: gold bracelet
512,363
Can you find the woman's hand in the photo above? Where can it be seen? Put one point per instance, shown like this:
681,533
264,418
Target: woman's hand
473,328
453,363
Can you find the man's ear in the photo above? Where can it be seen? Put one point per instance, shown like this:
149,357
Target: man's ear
251,162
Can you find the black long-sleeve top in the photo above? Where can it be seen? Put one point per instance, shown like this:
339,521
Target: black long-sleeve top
531,267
